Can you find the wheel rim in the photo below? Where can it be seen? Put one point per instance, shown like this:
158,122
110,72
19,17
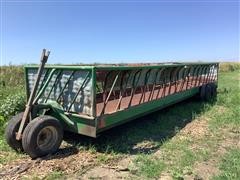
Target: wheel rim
47,138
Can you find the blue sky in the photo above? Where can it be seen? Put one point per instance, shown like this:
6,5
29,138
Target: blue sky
119,31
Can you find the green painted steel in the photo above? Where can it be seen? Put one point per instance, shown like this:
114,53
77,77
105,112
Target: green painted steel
121,67
69,67
70,122
109,67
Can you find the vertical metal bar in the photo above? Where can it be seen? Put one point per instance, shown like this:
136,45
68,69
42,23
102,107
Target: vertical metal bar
217,73
120,90
180,78
200,76
176,78
144,88
213,72
183,79
105,86
161,85
188,77
170,80
206,74
191,77
76,95
94,92
123,90
205,77
197,75
172,76
209,74
153,88
109,94
134,86
165,83
194,76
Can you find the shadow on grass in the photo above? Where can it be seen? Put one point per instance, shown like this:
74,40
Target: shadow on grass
145,134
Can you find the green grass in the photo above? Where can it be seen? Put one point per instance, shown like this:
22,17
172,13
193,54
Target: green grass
149,167
54,175
12,101
229,67
230,166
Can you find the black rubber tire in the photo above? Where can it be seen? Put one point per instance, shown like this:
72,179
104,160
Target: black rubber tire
32,135
11,130
214,90
202,92
208,91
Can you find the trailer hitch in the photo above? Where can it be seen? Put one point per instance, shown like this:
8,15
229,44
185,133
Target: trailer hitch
43,60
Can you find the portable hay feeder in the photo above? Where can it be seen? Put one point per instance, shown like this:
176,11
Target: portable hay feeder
89,99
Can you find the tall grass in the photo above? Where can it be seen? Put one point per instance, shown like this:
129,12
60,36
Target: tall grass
229,66
11,90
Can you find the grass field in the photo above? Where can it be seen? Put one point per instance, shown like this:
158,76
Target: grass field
189,140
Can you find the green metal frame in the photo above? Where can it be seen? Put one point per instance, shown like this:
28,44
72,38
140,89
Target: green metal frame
93,125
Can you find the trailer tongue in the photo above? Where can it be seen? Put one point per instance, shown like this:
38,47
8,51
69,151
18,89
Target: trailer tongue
43,61
91,99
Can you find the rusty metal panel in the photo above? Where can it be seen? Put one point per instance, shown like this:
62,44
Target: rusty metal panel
135,86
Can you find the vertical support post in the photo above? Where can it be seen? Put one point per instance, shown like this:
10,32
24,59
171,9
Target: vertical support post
134,86
144,88
122,90
94,92
109,94
217,73
200,76
197,76
154,84
201,81
161,83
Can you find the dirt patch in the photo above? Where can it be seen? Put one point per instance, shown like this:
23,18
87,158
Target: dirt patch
105,173
68,160
145,146
196,129
205,170
119,170
165,176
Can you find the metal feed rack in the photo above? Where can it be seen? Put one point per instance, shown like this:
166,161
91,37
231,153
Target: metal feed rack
91,99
